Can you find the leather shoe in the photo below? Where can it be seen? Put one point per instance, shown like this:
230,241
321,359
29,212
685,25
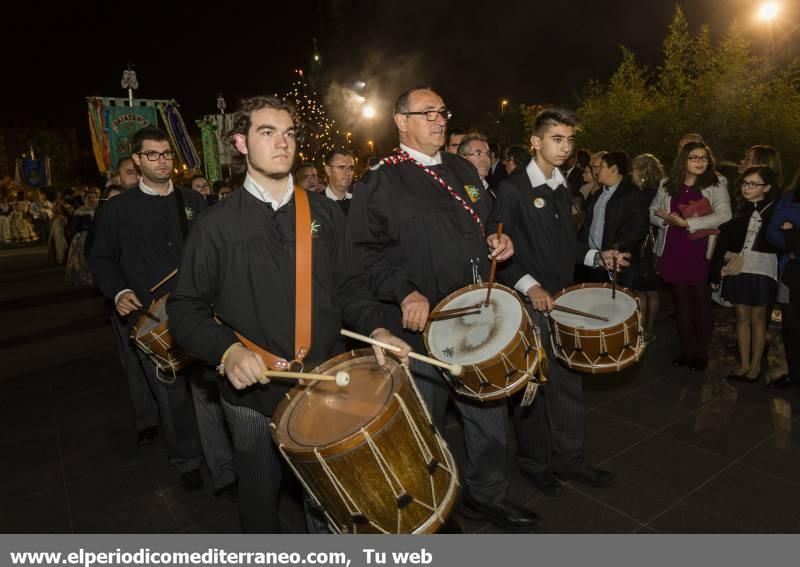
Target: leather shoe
192,481
784,381
146,436
505,514
545,481
589,476
229,491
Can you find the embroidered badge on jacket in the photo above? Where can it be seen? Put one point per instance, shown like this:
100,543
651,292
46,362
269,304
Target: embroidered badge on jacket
538,202
189,211
473,193
315,227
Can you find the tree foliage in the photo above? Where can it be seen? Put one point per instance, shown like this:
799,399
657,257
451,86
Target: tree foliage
722,89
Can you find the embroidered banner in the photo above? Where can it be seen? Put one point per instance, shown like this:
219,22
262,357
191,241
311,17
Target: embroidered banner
122,122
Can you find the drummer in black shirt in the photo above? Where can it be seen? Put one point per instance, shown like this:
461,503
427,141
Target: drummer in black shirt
417,223
239,268
535,210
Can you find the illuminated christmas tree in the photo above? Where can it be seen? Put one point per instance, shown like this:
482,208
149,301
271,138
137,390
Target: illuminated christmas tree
318,130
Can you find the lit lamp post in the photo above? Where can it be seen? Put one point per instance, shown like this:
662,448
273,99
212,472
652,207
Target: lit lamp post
371,147
348,134
767,13
503,104
368,112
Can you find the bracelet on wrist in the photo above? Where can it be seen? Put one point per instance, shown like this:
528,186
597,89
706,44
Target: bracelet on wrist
221,365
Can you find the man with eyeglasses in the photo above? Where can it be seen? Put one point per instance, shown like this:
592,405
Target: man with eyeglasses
339,167
475,148
417,225
140,239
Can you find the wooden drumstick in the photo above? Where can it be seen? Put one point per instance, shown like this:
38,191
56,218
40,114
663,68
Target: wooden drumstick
614,278
454,369
494,267
558,307
168,277
342,378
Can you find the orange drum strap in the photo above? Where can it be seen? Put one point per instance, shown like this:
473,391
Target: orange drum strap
302,275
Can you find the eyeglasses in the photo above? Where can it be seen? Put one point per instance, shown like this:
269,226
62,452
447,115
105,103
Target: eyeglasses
153,155
752,185
349,168
698,158
432,115
480,153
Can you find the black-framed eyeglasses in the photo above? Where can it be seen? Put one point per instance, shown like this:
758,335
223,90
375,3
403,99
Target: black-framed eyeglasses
432,115
752,185
480,153
349,168
153,155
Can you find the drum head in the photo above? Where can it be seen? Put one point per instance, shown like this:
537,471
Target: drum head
323,413
597,301
472,339
146,324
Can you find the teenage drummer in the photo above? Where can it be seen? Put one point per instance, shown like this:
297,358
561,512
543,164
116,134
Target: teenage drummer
239,268
417,223
535,210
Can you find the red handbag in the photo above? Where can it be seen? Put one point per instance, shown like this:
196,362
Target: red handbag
700,208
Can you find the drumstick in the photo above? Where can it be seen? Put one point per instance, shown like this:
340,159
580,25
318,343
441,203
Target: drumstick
454,369
454,311
147,314
614,278
341,378
494,267
558,307
168,277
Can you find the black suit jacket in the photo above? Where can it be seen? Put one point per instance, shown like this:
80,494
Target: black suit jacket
626,221
496,177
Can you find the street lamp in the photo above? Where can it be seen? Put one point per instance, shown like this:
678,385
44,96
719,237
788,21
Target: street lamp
503,104
348,134
371,147
368,111
768,11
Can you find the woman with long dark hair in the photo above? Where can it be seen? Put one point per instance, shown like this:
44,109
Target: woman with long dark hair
688,208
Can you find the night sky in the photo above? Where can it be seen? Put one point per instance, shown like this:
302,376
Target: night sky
473,53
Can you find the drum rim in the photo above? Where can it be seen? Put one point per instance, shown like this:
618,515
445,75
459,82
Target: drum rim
460,291
594,332
355,439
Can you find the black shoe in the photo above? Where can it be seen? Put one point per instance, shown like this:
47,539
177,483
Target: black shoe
192,481
146,436
698,364
545,481
784,381
742,378
505,514
229,491
681,361
588,475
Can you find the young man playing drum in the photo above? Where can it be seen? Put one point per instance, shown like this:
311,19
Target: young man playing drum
139,240
237,282
418,226
535,210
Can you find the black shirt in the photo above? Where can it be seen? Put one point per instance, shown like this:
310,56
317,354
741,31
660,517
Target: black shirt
412,235
240,264
138,241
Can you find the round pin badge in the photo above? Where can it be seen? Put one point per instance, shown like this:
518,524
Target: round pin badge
538,202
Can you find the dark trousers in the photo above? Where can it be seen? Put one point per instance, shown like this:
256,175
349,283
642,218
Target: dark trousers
178,421
145,409
550,431
485,433
213,430
258,464
790,330
693,315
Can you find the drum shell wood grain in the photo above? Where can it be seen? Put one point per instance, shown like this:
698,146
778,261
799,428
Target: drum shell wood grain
352,461
591,357
516,355
157,343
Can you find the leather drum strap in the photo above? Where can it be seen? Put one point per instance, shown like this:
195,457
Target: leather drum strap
302,290
302,275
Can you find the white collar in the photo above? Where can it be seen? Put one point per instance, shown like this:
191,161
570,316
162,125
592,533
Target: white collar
485,183
332,196
147,191
424,159
610,190
261,194
537,177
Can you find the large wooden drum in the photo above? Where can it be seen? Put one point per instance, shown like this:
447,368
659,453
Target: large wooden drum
151,335
591,345
498,347
367,453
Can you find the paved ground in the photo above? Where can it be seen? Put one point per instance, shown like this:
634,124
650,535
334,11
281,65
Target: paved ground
691,453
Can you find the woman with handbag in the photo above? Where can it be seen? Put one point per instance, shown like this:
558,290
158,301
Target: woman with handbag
750,275
688,208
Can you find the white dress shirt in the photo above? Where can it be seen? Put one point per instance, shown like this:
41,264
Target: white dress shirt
332,196
262,195
424,159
